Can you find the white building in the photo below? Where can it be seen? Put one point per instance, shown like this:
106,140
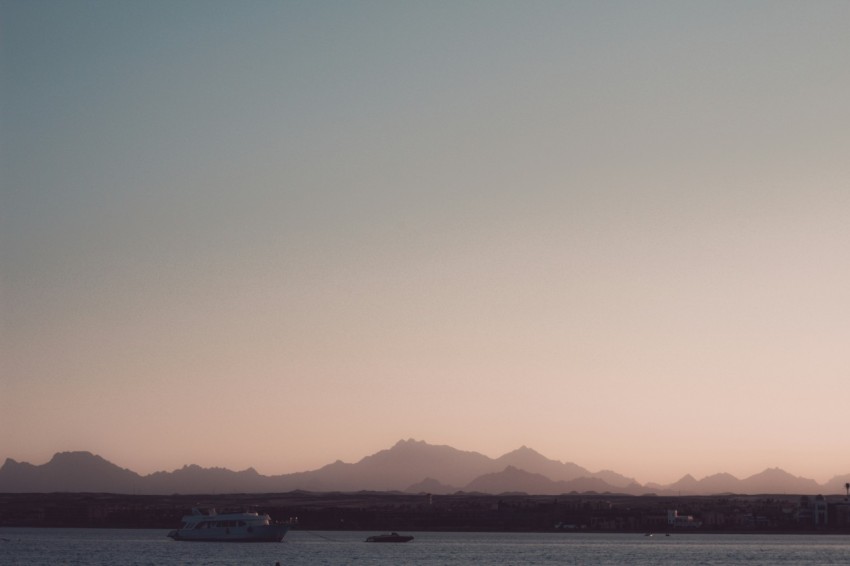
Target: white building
676,521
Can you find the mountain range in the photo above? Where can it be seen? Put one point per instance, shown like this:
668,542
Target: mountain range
409,466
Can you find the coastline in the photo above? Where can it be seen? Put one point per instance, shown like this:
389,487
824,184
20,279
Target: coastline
461,512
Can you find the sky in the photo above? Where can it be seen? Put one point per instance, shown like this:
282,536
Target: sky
279,234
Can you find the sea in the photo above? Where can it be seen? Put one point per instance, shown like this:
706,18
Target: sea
120,547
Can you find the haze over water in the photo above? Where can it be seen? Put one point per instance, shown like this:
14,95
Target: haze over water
280,234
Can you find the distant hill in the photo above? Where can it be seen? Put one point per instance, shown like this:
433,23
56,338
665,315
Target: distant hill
68,471
410,465
515,480
525,458
837,484
207,480
774,480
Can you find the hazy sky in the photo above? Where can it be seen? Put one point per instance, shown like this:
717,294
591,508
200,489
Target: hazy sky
277,234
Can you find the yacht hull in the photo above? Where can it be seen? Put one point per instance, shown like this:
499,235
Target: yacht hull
260,533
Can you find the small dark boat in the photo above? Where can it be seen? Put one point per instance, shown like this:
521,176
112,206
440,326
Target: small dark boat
392,537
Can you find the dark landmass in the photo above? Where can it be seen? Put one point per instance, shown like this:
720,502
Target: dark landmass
409,466
379,511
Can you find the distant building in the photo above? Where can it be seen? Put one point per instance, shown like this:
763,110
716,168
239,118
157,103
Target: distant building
804,514
676,521
820,511
814,512
840,515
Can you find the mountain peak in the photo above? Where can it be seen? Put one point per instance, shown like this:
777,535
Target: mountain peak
773,473
526,458
523,453
526,451
81,460
68,471
511,479
74,456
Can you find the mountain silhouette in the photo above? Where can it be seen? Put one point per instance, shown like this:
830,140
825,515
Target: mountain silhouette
515,480
68,471
687,484
774,480
511,480
208,480
394,469
410,465
837,484
525,458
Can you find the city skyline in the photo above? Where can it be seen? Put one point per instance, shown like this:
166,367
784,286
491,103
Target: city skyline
280,234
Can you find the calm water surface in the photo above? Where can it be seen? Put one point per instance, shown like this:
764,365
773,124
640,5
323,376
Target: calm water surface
151,547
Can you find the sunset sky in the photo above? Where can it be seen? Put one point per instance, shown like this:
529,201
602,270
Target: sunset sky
278,234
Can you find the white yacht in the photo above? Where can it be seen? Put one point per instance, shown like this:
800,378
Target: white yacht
229,527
